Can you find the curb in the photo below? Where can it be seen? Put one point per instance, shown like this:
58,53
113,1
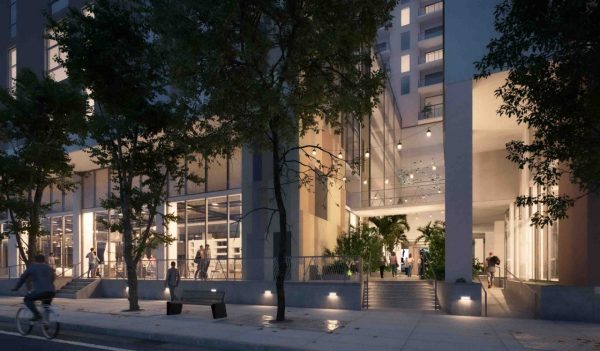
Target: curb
219,344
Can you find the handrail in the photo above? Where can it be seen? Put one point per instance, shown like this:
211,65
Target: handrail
65,270
435,294
486,295
14,268
533,292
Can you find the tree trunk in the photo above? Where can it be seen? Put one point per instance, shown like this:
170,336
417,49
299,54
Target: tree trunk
131,265
283,236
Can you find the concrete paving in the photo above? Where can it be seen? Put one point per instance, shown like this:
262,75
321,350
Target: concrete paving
249,328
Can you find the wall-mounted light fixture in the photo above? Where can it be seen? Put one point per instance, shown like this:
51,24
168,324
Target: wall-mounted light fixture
213,290
367,154
333,294
399,145
428,132
267,292
465,298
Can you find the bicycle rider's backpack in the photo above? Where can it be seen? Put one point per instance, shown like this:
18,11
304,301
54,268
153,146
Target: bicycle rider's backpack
496,260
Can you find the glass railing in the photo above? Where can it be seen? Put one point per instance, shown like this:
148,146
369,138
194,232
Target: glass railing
381,47
431,111
431,33
431,8
431,80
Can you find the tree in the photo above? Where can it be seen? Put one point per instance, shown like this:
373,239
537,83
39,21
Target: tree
362,241
38,120
278,70
139,129
434,236
392,230
550,49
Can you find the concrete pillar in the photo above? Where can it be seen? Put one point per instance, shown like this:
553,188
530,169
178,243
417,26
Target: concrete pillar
579,239
458,157
78,253
166,252
499,245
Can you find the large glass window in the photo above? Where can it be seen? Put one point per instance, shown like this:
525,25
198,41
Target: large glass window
405,41
53,68
405,16
405,85
217,175
405,63
12,68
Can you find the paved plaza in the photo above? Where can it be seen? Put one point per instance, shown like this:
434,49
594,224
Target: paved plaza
250,328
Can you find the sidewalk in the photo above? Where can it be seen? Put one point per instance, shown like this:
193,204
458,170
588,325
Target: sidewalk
247,328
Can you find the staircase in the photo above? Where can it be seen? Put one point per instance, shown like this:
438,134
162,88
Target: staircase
78,288
414,295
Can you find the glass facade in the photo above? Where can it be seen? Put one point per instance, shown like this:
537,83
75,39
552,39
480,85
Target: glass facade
531,251
58,239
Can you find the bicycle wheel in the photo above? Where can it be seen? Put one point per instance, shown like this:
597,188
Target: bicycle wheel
50,324
24,324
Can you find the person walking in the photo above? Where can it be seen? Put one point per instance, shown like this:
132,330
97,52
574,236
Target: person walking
409,266
394,264
206,261
172,280
491,263
42,278
92,263
199,261
52,261
382,262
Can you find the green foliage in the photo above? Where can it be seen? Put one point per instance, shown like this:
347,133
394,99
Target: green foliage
553,87
362,241
434,236
141,130
477,267
38,120
392,230
277,70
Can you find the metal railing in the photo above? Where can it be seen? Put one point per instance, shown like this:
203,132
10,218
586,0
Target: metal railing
532,292
436,304
431,8
431,80
300,269
432,111
12,272
485,295
428,34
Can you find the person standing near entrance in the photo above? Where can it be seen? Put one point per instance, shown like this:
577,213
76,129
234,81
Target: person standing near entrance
199,261
382,263
394,264
172,280
206,261
409,266
92,263
52,261
491,263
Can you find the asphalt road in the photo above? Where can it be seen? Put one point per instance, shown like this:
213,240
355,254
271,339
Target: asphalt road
11,340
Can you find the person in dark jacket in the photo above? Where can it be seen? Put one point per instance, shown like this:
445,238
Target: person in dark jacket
42,277
172,280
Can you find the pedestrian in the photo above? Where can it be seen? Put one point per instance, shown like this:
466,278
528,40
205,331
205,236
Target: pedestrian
92,263
382,262
409,266
491,263
420,266
199,261
394,264
206,261
172,280
52,261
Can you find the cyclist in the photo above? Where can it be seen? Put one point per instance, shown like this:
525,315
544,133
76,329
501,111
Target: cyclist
42,277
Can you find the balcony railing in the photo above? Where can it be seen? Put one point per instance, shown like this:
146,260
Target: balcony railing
431,8
431,80
431,33
382,47
432,111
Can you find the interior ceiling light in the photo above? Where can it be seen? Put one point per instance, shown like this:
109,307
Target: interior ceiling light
387,181
340,155
433,167
428,132
399,145
367,154
411,176
314,152
344,179
365,182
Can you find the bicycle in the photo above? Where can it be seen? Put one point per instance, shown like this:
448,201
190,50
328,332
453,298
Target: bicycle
49,322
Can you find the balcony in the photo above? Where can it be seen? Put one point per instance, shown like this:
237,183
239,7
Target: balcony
383,49
434,8
431,83
431,59
431,111
431,38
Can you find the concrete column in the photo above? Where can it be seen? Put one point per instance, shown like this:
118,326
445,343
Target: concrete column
78,253
499,245
458,155
13,256
579,239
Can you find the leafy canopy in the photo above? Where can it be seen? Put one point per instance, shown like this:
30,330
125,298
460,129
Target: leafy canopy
551,50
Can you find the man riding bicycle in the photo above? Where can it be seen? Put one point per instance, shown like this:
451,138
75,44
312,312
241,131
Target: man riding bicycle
42,277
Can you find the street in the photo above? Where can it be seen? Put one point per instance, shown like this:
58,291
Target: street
11,340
